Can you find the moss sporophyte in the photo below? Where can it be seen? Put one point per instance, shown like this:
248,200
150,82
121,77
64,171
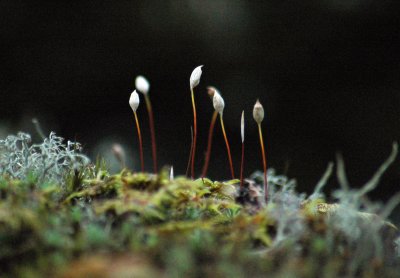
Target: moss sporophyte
210,90
194,81
143,86
219,106
134,104
63,216
242,139
258,115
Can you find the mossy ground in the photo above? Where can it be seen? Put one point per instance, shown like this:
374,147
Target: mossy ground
145,225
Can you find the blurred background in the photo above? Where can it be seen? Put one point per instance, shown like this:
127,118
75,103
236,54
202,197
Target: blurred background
326,71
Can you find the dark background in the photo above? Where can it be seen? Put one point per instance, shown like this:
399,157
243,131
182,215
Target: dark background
326,71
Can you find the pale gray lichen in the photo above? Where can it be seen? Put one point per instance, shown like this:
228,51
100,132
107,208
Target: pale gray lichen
355,219
49,161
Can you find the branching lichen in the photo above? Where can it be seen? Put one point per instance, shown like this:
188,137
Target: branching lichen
49,161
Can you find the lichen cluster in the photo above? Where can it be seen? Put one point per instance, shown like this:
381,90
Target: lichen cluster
145,225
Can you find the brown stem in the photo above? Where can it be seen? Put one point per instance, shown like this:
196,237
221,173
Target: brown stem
140,141
264,163
152,132
227,147
242,166
210,135
191,151
194,134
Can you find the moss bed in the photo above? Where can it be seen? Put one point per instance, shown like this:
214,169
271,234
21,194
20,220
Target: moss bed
93,224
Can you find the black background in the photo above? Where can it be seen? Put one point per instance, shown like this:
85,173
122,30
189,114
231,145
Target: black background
326,71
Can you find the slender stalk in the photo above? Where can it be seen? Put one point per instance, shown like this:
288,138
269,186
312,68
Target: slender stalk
242,166
38,128
227,147
210,135
152,132
140,141
264,162
191,151
194,134
119,154
242,137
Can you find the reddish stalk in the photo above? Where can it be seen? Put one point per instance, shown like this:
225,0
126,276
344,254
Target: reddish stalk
152,132
242,160
191,151
194,134
264,162
227,147
140,141
242,166
210,135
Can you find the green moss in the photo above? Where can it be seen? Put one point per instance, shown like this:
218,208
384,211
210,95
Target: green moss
181,228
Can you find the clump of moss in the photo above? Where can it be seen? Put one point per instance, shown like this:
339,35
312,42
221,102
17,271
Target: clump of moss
148,225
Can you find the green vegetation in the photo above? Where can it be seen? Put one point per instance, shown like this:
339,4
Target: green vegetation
62,216
79,221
